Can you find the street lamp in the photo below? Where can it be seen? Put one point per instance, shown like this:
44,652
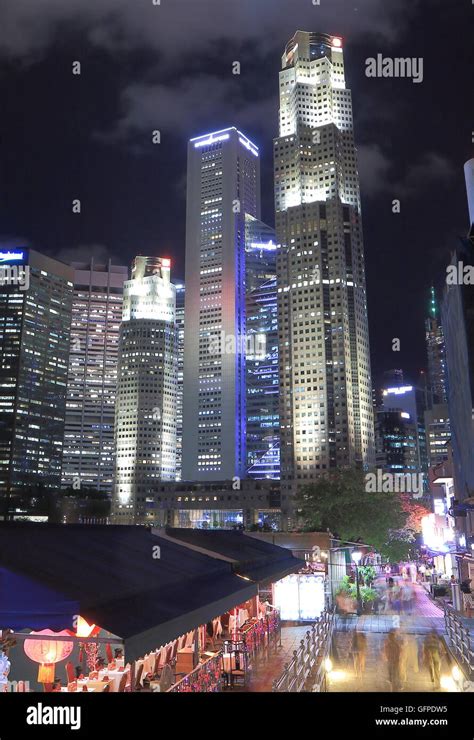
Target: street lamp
356,556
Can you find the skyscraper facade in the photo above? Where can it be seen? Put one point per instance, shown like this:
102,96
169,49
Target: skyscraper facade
223,186
88,457
145,409
35,324
180,296
458,325
325,379
261,317
410,402
436,351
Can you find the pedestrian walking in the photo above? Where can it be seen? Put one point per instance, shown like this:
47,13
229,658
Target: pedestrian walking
433,649
392,654
408,657
359,652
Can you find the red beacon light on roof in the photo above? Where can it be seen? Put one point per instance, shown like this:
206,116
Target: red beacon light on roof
337,43
166,262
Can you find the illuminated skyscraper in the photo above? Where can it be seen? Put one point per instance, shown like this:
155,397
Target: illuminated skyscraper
180,296
223,186
436,353
92,378
325,380
262,416
35,323
145,410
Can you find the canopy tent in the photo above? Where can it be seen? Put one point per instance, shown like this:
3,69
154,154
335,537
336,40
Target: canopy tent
257,560
112,577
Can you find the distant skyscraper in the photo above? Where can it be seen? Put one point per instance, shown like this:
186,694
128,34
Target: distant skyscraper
145,411
180,296
35,323
326,408
396,442
223,186
263,421
436,353
409,402
88,458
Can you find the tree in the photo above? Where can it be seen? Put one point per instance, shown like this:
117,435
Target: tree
339,502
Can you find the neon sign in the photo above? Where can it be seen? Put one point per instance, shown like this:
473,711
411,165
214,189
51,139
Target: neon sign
17,256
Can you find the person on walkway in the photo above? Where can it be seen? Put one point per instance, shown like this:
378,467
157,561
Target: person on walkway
392,654
408,657
407,597
433,649
359,652
393,596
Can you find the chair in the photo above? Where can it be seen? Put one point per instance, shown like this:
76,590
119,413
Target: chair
123,683
70,672
138,679
174,651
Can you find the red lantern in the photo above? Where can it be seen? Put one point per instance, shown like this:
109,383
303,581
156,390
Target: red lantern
48,652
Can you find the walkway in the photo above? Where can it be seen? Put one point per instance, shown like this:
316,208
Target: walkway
424,617
270,664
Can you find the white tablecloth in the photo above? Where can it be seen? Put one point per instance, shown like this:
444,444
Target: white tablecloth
115,678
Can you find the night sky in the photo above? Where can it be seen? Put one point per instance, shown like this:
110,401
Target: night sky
169,67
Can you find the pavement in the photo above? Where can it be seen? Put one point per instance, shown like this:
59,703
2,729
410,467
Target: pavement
424,616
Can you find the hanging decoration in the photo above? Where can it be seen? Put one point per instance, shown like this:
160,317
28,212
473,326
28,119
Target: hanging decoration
48,652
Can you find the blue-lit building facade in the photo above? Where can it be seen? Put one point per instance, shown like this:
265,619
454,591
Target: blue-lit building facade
263,421
403,408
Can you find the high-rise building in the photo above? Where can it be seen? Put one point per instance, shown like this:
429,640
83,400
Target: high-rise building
458,325
223,186
396,443
145,409
36,295
410,402
262,416
326,408
438,433
436,353
180,296
88,457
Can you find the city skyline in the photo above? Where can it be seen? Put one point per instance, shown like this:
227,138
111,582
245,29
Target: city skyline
143,183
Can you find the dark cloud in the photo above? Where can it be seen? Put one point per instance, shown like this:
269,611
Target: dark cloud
179,28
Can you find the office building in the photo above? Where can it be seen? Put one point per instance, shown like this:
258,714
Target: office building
409,402
223,186
145,409
436,353
438,433
36,294
180,296
326,407
88,458
262,417
457,315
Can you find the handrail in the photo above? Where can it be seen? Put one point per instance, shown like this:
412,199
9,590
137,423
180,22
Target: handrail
308,660
207,676
461,641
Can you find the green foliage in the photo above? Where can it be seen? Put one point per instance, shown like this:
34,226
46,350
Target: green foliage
367,594
339,503
367,573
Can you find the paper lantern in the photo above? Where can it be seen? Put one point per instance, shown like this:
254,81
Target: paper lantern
48,652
